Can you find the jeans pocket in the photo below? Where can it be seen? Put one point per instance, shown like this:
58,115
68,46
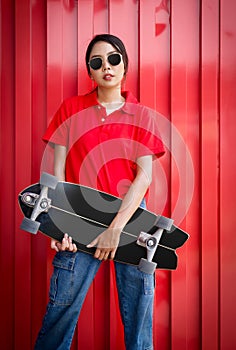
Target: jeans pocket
62,280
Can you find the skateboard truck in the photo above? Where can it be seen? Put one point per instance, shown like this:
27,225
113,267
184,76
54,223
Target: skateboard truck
40,202
150,242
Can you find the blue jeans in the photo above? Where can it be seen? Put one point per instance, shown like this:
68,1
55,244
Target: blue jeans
71,279
72,276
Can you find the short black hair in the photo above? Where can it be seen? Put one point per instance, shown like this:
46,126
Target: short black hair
110,39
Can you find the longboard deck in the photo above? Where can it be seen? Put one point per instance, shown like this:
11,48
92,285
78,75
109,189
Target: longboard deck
84,213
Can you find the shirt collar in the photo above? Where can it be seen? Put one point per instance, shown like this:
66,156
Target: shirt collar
129,107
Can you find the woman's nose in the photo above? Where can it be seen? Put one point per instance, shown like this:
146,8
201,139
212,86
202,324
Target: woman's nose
105,64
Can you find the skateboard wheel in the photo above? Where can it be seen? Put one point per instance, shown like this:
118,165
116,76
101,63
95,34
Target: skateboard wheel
48,180
30,225
148,267
165,223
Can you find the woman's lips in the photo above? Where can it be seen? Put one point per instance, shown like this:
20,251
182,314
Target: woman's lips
108,77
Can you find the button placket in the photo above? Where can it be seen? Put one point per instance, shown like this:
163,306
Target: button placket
102,114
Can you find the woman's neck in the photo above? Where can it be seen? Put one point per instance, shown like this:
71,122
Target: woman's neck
110,95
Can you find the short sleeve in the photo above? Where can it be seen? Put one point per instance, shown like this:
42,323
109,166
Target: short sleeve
149,138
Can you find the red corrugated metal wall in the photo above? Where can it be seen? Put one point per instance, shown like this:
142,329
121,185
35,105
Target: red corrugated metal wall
183,63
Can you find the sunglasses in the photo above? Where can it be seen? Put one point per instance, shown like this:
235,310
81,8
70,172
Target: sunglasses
114,59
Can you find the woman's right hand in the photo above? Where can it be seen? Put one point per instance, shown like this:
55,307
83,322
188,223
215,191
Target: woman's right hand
65,245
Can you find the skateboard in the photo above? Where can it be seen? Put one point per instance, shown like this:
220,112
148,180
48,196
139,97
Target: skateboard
54,208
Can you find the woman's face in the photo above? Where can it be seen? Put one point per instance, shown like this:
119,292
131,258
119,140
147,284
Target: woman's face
108,75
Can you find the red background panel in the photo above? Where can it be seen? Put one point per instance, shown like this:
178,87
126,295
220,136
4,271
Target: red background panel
182,64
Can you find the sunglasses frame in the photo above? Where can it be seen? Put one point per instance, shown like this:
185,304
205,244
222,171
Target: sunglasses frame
111,54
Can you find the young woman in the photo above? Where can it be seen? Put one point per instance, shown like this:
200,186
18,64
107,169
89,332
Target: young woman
105,140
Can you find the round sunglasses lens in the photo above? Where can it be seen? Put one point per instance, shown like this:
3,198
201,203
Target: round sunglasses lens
95,63
114,59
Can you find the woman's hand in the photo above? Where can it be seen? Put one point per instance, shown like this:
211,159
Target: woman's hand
60,153
107,243
65,245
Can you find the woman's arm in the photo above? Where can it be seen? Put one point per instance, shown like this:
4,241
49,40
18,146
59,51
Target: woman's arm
108,241
59,172
59,162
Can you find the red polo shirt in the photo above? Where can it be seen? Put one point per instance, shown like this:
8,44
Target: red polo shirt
102,150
